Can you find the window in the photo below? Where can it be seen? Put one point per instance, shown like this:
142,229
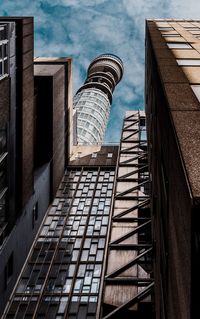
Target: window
196,90
186,24
188,62
3,52
170,35
143,134
195,31
165,28
109,155
94,155
75,265
9,270
179,45
78,155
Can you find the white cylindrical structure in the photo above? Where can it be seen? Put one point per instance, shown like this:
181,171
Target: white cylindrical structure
93,100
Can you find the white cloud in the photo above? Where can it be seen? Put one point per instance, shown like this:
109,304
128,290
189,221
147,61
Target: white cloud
84,29
185,9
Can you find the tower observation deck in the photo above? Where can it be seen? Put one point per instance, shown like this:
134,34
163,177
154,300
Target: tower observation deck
93,100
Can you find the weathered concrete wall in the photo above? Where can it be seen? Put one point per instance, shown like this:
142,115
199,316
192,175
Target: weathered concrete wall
173,120
23,233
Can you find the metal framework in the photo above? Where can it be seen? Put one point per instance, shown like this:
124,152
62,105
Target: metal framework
128,287
65,275
5,30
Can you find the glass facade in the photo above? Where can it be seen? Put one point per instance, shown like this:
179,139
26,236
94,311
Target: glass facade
93,100
63,272
3,50
93,109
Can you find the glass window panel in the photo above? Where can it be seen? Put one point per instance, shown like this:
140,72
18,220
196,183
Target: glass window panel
84,256
96,201
170,35
78,285
84,299
67,286
88,201
105,220
62,305
92,220
90,193
188,62
95,285
103,231
81,230
97,225
93,249
89,230
94,155
165,28
97,193
71,270
75,255
81,270
99,256
87,243
179,45
101,243
196,90
109,193
86,289
97,270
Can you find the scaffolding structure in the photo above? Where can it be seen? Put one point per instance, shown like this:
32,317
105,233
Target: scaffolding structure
129,283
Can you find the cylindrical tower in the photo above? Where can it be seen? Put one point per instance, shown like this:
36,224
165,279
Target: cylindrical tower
93,100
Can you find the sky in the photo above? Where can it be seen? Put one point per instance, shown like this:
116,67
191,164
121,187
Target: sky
83,29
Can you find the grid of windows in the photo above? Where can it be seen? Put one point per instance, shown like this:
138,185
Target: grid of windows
168,32
3,50
63,272
90,125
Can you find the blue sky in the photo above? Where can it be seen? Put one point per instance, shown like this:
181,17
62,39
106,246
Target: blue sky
83,29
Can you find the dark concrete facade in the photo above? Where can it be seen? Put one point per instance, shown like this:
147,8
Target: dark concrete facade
32,176
27,196
173,127
62,95
20,121
24,109
50,108
20,239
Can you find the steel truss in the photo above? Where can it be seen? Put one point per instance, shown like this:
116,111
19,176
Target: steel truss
131,187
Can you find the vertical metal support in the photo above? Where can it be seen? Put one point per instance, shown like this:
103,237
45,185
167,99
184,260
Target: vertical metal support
129,260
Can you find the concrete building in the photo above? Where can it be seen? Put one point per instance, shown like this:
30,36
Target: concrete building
93,100
92,255
173,125
28,182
